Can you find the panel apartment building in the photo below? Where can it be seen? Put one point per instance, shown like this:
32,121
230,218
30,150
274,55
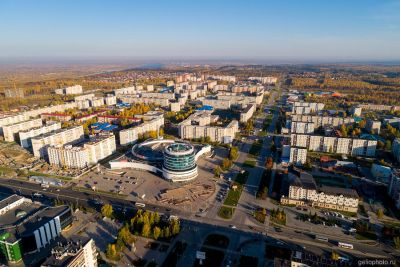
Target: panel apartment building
198,125
322,121
306,107
303,191
338,145
41,143
25,136
26,115
10,132
82,156
151,123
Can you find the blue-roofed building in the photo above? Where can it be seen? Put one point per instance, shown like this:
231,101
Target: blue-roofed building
205,107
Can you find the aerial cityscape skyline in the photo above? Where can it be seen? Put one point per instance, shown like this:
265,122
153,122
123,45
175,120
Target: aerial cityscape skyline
276,31
199,133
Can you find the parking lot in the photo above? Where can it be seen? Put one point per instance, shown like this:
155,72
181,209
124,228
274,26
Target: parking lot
137,184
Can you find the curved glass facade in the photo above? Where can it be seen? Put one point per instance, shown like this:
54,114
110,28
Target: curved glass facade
179,157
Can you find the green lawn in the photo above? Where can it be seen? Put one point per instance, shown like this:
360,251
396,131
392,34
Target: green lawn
249,163
233,196
256,148
366,236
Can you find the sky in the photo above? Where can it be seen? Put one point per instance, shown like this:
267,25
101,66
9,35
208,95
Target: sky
284,30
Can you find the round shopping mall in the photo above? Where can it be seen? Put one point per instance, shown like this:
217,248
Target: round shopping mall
173,160
179,162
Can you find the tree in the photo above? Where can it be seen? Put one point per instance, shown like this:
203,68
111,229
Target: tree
269,163
226,164
146,230
107,210
175,228
388,145
379,213
362,124
166,232
233,153
156,232
396,241
111,251
343,130
217,171
335,256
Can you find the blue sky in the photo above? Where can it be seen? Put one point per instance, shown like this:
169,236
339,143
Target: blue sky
264,30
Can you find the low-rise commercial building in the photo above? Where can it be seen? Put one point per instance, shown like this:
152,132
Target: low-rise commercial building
58,137
27,227
304,191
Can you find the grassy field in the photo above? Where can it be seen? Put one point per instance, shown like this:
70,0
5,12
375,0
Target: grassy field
250,163
233,196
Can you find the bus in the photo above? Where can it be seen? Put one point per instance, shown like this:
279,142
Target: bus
345,245
141,205
321,238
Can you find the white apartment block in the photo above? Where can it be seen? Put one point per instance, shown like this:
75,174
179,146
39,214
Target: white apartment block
198,126
298,156
247,113
26,115
396,149
70,90
373,127
76,251
25,136
68,156
266,80
131,135
302,127
84,97
216,103
125,91
175,106
303,191
100,147
240,99
134,99
338,145
80,157
110,100
96,102
222,78
314,107
150,88
10,132
356,111
322,121
58,137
